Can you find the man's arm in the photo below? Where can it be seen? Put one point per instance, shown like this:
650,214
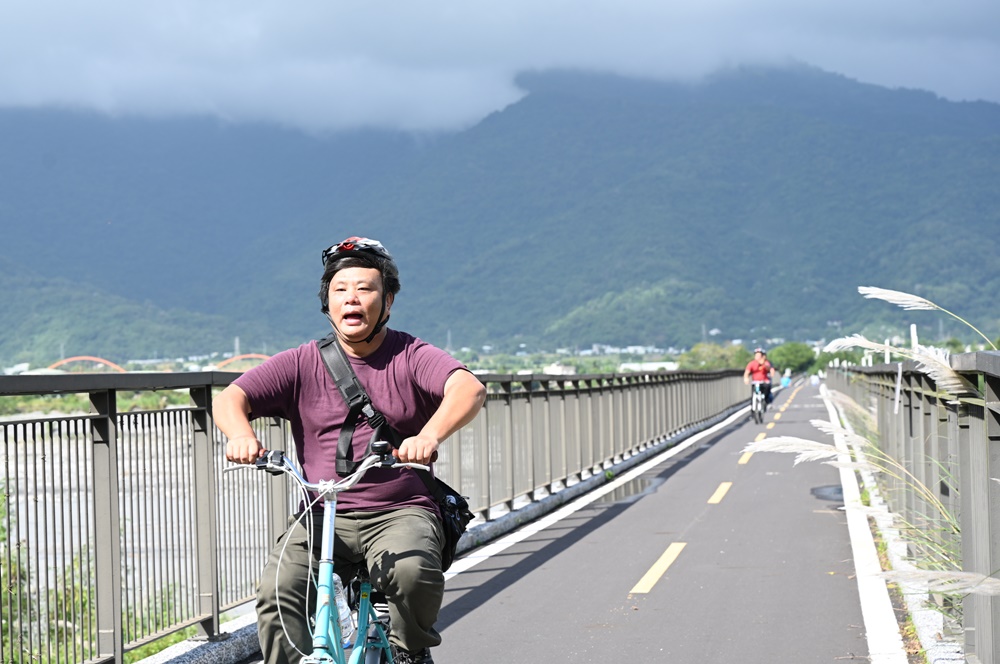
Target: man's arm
231,412
746,375
464,395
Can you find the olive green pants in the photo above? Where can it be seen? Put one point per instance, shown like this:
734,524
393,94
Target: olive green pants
402,550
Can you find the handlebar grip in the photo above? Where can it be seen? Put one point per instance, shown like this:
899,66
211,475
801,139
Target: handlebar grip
434,457
388,454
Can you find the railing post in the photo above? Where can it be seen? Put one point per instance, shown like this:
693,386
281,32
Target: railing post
574,419
557,433
277,487
107,546
541,438
478,455
991,418
911,440
505,454
973,511
602,424
587,427
617,409
925,463
206,535
524,441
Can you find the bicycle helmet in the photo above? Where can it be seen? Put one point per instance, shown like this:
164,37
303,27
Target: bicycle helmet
359,252
760,350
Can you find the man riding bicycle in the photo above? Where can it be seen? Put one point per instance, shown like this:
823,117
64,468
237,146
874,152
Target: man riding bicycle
390,522
759,370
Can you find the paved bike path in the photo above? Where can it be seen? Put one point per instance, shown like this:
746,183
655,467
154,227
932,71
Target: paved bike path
709,556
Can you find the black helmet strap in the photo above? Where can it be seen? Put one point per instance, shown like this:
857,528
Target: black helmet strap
381,323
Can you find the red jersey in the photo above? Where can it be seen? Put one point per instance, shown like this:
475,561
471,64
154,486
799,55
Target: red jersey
759,371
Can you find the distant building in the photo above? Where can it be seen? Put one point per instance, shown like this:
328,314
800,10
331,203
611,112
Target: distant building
647,366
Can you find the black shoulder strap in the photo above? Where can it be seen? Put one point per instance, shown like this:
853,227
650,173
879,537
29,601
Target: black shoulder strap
360,405
347,382
357,400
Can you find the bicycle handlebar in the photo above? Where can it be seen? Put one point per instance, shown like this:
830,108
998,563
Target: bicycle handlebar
276,462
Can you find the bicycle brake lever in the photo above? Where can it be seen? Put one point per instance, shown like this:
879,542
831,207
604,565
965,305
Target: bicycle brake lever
273,462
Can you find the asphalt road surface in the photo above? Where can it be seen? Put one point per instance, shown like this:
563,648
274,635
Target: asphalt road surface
711,555
704,554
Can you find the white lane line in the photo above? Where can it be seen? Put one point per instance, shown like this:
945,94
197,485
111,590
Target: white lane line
885,645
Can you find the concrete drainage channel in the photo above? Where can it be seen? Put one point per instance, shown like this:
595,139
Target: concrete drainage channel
238,638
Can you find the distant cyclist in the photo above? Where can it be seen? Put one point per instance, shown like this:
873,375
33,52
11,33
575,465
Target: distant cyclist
759,370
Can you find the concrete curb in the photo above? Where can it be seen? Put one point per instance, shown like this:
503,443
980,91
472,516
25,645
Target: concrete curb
239,643
928,623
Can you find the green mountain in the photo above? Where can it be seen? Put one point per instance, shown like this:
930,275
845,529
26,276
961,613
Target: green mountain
595,210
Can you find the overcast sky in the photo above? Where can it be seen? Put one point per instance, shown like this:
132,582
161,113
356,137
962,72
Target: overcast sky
443,64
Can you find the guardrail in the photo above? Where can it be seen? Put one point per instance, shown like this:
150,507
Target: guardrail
952,447
119,529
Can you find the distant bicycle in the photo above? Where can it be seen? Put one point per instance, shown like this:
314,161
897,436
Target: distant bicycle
758,402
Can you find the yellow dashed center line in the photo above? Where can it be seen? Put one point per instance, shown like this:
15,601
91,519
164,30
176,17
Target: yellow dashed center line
655,572
745,459
720,493
777,416
770,425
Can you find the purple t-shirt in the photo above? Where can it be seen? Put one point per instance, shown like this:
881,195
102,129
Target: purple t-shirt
405,380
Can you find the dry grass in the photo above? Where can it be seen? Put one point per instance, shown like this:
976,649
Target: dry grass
915,303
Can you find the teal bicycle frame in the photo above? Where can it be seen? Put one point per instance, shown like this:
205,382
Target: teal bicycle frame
371,640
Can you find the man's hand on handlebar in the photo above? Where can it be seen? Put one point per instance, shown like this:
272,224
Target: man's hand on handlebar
418,449
244,449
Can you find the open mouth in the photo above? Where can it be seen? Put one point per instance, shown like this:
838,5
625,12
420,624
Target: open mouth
353,319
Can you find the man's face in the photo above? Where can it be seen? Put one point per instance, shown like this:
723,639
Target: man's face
758,356
355,300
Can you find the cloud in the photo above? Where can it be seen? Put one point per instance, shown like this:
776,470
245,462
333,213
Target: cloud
432,65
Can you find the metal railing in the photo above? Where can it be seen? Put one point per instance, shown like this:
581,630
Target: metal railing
951,447
120,528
